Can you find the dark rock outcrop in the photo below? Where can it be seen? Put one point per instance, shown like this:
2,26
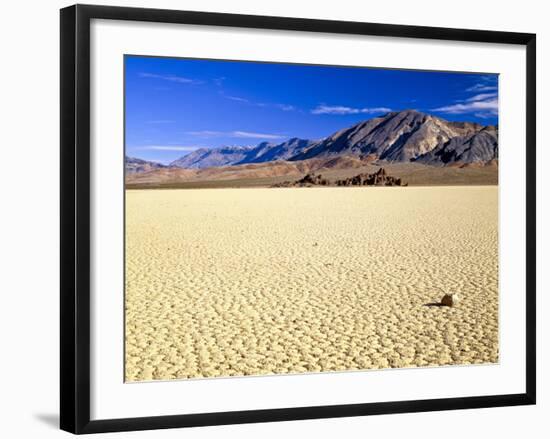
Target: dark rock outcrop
378,178
307,181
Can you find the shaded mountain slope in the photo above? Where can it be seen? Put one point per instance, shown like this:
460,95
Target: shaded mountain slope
480,147
396,137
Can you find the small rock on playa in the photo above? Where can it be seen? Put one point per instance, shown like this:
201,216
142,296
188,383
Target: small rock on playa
449,300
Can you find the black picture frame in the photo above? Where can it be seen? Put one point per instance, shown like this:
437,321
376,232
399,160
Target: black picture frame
75,218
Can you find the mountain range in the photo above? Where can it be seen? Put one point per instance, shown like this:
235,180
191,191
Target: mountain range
240,155
134,165
396,137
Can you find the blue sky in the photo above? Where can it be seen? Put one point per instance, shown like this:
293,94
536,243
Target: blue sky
174,106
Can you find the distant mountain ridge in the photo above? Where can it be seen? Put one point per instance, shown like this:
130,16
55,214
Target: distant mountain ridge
268,152
396,137
240,155
212,157
134,165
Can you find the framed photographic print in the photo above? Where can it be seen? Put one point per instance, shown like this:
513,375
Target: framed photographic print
268,218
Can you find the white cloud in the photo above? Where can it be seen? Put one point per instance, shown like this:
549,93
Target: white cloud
249,135
172,78
485,115
481,97
236,98
482,87
327,109
235,134
489,105
283,107
483,104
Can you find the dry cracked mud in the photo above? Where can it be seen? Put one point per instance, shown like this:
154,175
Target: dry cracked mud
232,282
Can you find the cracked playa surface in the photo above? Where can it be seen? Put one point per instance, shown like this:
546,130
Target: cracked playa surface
229,282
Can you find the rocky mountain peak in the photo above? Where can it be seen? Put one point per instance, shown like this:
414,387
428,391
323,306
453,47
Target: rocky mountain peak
398,136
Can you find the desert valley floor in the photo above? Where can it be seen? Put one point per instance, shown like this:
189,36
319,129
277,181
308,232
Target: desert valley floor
253,281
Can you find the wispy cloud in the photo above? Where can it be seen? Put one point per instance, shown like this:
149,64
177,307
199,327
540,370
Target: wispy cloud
481,87
169,147
249,135
483,84
485,115
172,78
481,97
339,109
236,98
235,134
282,107
483,103
488,105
